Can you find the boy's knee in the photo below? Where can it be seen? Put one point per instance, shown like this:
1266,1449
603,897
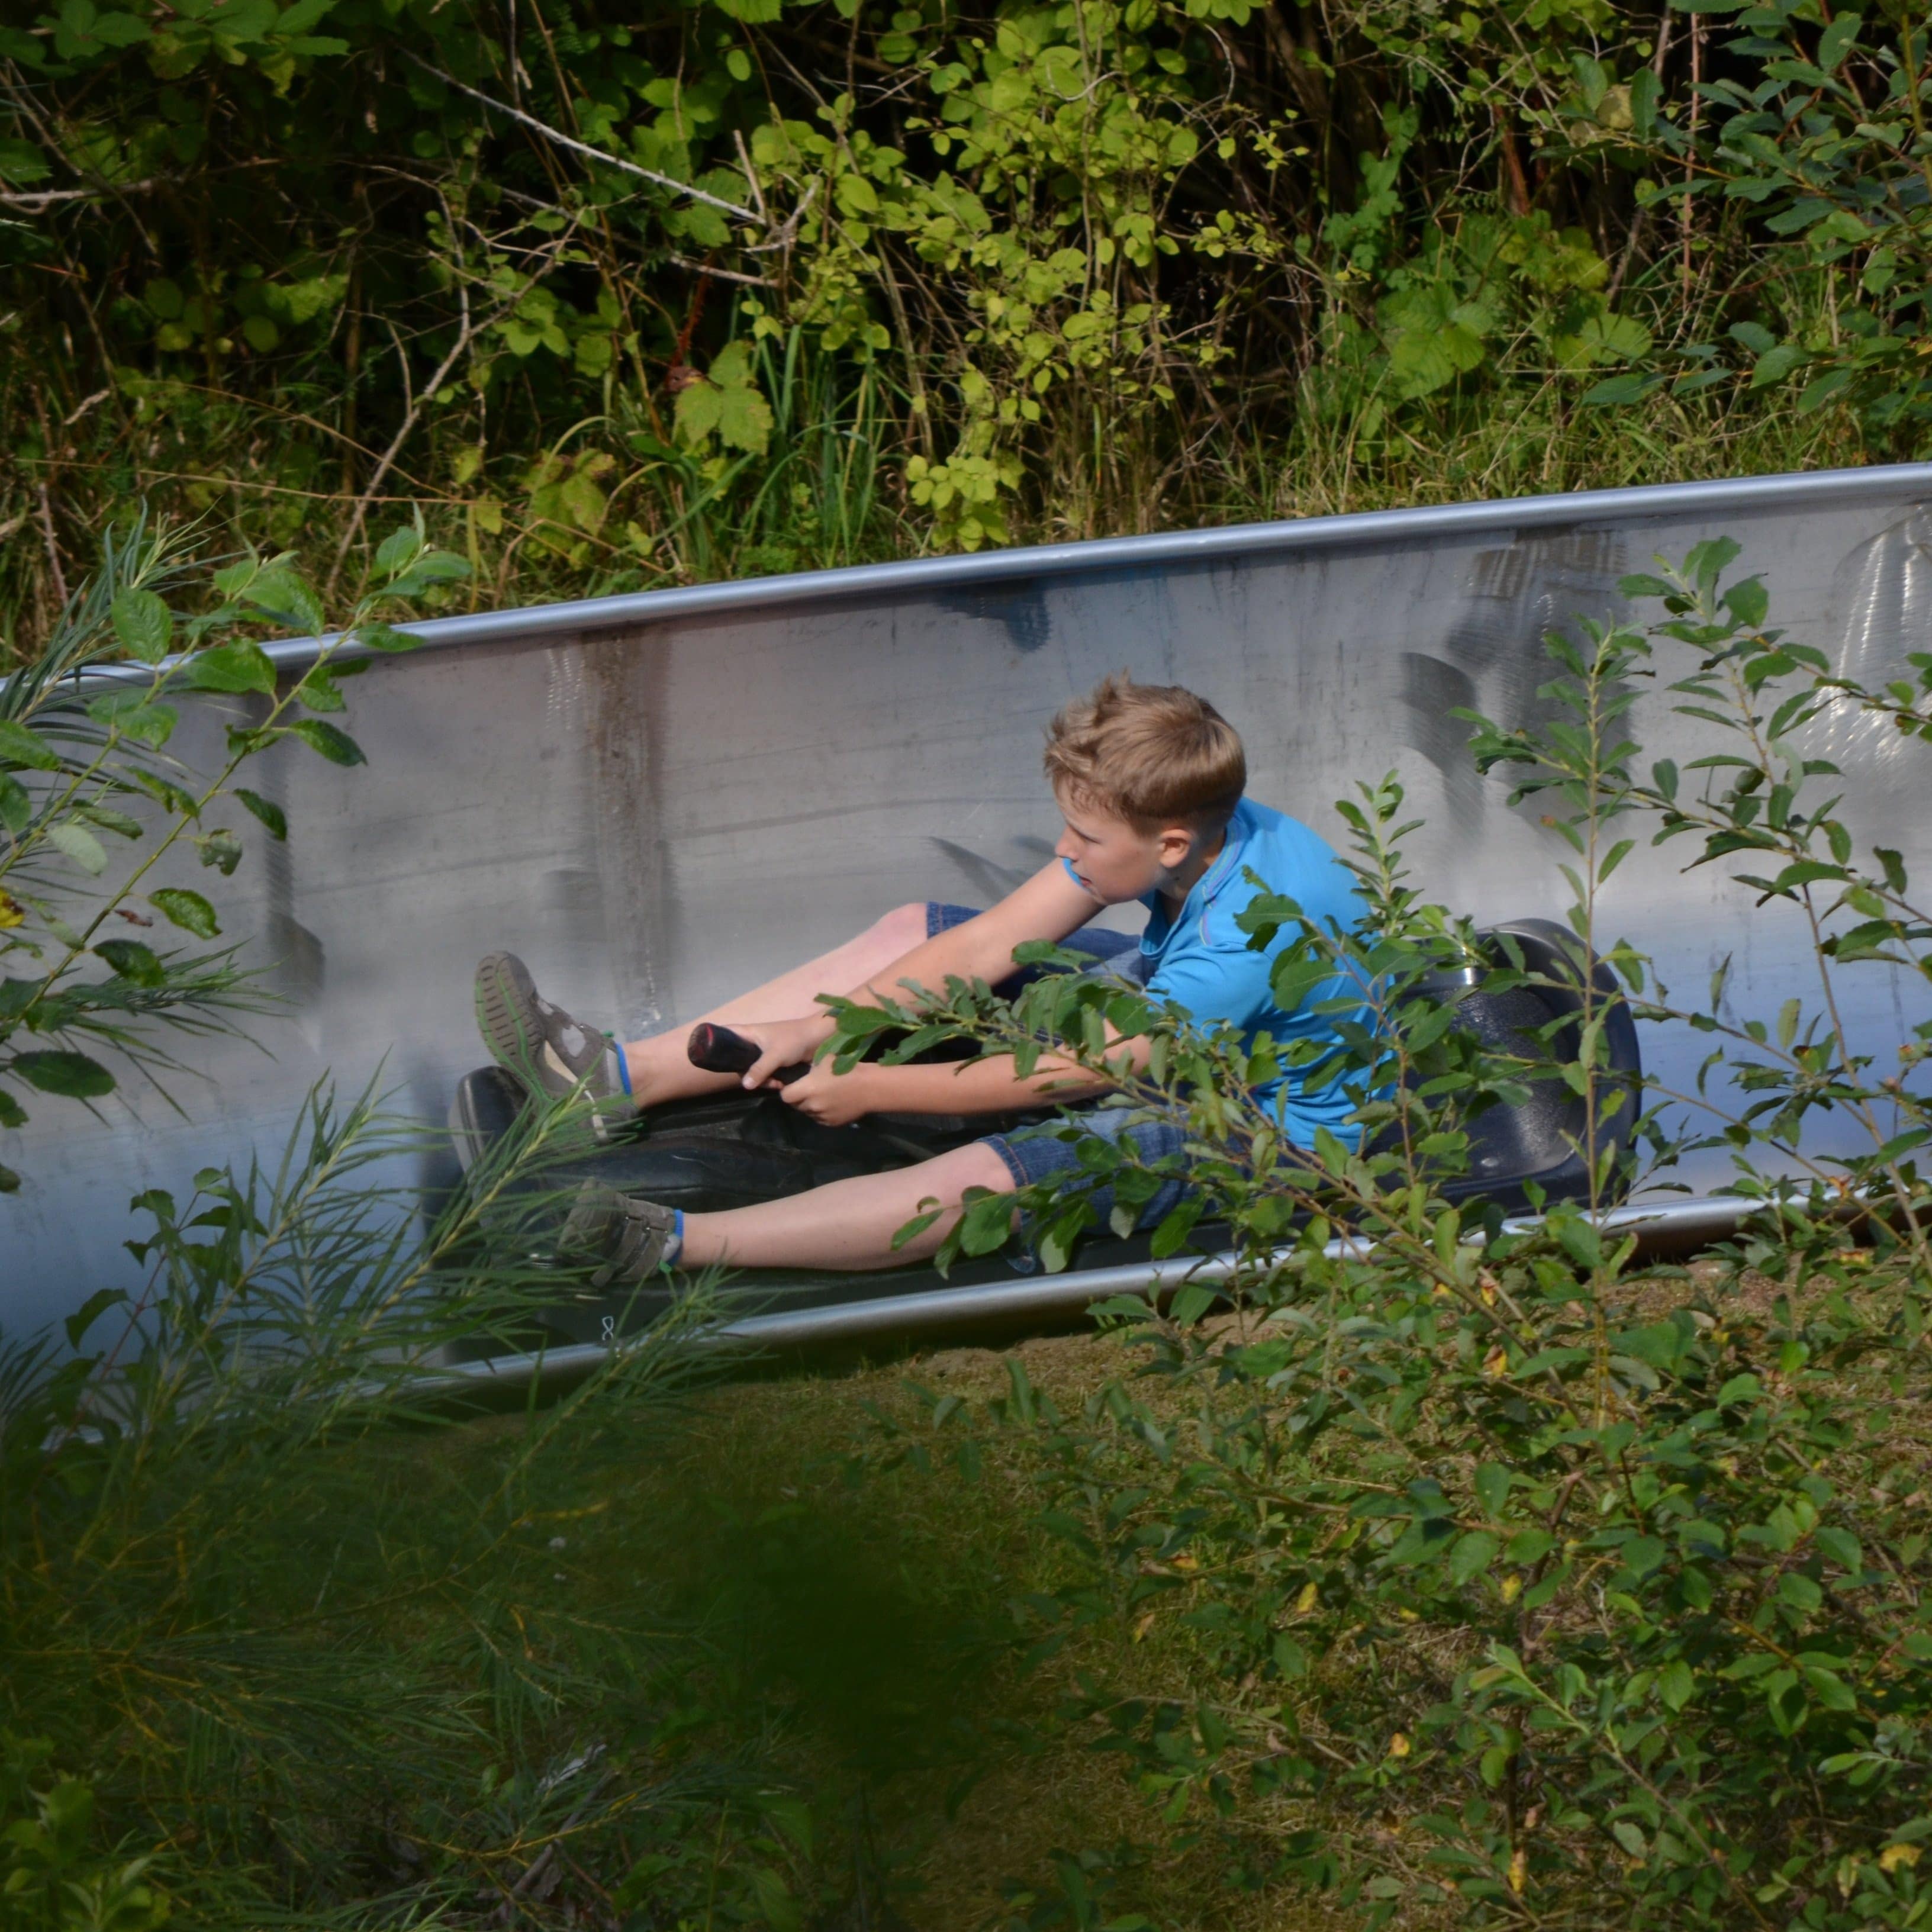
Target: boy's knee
978,1166
903,927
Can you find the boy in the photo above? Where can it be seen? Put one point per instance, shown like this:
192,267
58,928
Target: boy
1150,780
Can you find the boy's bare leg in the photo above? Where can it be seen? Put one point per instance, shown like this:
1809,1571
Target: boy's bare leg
846,1224
660,1067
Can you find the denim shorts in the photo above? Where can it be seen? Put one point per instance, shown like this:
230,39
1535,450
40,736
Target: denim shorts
1048,1151
1037,1153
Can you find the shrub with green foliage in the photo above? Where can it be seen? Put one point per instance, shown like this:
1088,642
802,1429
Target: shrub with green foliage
84,758
738,286
1521,1576
51,1879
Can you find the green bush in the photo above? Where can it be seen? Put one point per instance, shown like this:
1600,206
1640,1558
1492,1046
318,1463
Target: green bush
1515,1575
624,297
50,1881
84,729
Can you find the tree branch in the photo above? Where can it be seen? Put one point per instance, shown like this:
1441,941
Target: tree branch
36,201
577,147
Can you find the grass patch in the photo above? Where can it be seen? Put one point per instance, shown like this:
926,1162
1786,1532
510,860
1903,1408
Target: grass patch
700,1664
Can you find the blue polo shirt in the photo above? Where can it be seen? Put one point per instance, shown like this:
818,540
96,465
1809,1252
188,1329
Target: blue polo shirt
1201,960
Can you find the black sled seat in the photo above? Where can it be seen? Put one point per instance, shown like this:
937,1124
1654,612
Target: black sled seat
1542,1142
736,1149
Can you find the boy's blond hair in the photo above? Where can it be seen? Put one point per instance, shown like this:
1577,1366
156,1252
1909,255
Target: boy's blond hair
1152,754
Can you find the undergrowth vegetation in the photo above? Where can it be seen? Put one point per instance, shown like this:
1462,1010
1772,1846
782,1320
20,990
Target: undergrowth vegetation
728,288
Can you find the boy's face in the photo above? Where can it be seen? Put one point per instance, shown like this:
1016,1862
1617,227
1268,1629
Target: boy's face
1115,861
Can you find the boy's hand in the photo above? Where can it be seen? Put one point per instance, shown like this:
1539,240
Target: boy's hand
782,1043
834,1099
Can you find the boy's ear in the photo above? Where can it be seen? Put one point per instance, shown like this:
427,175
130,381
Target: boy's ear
1177,844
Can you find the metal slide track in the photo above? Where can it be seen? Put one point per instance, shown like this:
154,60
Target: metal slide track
660,799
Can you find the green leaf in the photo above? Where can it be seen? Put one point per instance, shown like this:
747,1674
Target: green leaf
220,848
90,1311
1472,1554
1799,1592
282,595
1645,92
144,624
1191,1301
129,713
105,818
319,691
379,637
21,162
1842,1547
1675,1685
236,667
1493,1483
1707,561
1837,41
131,960
1816,394
1529,1546
20,749
57,1071
745,420
1748,602
776,1906
1774,364
16,809
1630,387
433,567
1643,1554
1643,587
399,550
80,845
189,910
337,746
1831,1690
1423,360
267,811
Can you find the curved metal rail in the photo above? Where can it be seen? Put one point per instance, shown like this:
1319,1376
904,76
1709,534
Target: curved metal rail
660,799
991,1311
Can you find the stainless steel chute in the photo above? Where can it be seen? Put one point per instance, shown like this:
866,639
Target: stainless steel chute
660,800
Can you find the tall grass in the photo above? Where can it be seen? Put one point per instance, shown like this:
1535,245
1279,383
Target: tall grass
303,1661
291,1635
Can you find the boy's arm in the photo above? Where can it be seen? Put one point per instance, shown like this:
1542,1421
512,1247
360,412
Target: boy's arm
1049,905
970,1086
